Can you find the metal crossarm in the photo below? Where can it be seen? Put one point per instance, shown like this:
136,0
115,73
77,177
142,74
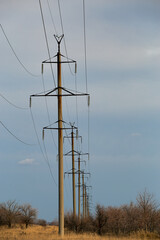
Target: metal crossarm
65,93
76,153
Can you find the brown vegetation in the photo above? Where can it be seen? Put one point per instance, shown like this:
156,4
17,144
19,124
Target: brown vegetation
12,213
35,232
126,220
134,221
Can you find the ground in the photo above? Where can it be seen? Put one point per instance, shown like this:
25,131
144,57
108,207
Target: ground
35,232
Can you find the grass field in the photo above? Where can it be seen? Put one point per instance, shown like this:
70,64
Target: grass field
51,232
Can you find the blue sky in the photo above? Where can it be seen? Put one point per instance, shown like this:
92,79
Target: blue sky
123,56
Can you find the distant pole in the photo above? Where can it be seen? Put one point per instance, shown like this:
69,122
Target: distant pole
87,206
83,195
85,202
73,176
79,190
60,143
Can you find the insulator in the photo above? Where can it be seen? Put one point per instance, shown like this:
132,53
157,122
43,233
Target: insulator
42,68
77,134
88,100
30,102
88,156
75,67
43,134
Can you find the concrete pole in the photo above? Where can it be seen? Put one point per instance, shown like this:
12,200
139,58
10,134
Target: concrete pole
79,190
85,202
88,206
73,177
83,195
60,146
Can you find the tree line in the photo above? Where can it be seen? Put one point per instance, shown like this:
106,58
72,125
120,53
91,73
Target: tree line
144,215
11,213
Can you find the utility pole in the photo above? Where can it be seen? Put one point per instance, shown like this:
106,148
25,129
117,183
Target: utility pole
72,152
83,189
60,141
73,176
85,201
79,172
74,172
79,189
59,92
88,206
84,194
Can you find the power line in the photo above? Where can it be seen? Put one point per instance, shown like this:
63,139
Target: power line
60,14
85,45
78,145
52,17
48,112
66,165
89,134
18,59
45,33
66,99
22,108
76,100
65,46
66,108
61,20
86,75
15,135
48,163
45,157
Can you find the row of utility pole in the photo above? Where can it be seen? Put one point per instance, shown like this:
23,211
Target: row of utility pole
80,173
60,92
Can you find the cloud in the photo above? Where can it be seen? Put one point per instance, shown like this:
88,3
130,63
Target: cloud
27,161
153,52
136,134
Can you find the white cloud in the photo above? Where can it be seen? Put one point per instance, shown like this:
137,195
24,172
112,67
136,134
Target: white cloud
153,52
27,161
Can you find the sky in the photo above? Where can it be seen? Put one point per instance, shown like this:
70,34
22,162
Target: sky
123,57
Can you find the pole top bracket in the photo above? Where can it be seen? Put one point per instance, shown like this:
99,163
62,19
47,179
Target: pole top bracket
59,39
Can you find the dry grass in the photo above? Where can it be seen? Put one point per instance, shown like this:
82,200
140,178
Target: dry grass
51,233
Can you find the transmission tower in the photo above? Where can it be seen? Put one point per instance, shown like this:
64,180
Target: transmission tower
79,172
73,167
84,192
59,92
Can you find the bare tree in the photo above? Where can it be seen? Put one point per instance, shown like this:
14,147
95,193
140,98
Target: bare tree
10,212
115,220
131,215
71,222
148,210
28,214
101,218
2,220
